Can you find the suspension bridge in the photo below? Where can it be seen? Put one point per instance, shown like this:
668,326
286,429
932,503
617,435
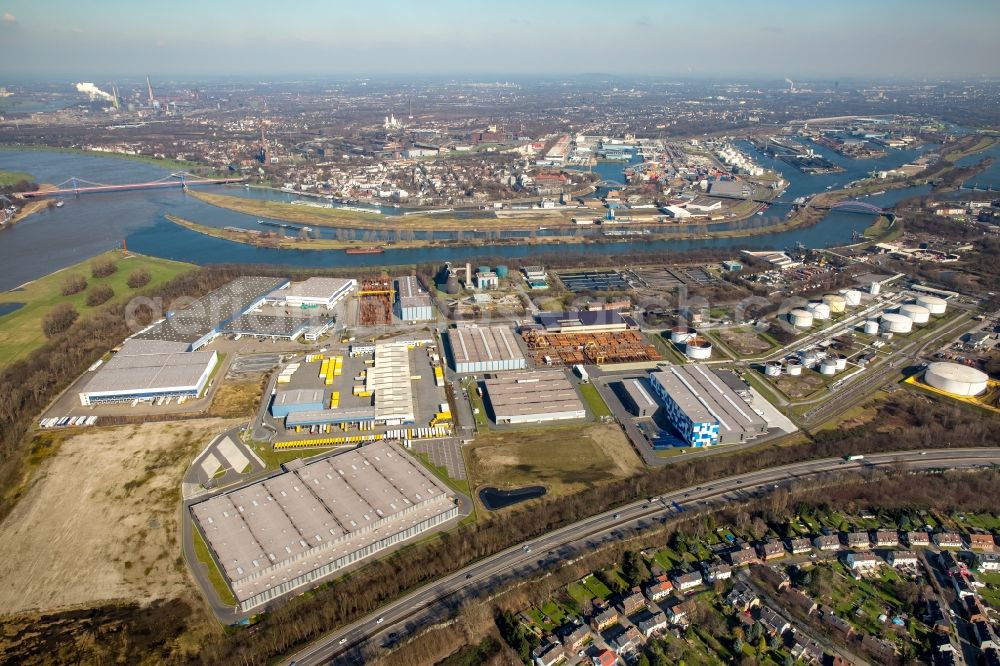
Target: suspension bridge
76,186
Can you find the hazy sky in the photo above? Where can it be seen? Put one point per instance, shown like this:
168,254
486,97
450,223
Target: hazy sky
800,38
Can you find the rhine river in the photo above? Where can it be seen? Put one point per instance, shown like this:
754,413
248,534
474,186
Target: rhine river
93,223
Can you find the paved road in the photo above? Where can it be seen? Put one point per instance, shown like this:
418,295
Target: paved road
425,605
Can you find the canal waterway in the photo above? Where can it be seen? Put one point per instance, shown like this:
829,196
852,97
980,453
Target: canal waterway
93,223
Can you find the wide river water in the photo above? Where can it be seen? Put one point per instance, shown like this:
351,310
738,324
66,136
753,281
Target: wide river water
93,223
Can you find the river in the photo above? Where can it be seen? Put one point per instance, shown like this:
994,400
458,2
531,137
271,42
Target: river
93,223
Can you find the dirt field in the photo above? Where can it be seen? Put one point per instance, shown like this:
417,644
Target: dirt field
564,459
100,520
235,399
805,384
743,342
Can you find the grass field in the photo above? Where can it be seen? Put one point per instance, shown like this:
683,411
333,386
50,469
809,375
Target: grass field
594,401
214,575
21,330
11,177
564,459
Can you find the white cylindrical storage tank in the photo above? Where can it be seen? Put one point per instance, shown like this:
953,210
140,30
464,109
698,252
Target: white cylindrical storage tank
918,313
800,318
841,362
809,358
772,369
852,297
896,323
820,311
698,348
793,368
934,305
835,302
680,334
956,378
871,327
875,288
828,367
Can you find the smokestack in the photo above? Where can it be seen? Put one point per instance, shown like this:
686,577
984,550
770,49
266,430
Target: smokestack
468,273
149,87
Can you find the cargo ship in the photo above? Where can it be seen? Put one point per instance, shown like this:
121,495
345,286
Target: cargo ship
364,250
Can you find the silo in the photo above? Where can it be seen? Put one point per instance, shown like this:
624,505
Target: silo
852,297
772,369
836,303
793,368
828,367
918,313
871,327
681,334
820,311
896,323
483,269
698,348
934,305
800,318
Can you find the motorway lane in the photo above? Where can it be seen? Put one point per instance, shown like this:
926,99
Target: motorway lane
422,604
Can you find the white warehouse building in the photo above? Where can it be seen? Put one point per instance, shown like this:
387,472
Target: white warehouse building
316,291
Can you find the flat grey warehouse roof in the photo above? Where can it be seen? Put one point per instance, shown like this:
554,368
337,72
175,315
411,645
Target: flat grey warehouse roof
704,397
150,372
532,393
483,343
410,294
272,533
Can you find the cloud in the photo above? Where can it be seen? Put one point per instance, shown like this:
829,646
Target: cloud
9,18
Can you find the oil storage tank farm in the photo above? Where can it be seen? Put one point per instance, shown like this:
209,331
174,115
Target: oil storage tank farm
835,302
852,297
956,379
820,311
893,322
679,335
800,318
698,348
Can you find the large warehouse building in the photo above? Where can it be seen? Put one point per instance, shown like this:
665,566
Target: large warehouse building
294,401
412,303
279,535
149,370
201,321
315,292
585,321
485,349
703,409
637,397
531,397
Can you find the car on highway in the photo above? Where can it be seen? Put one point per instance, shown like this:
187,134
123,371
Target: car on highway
468,576
617,516
526,548
380,620
342,641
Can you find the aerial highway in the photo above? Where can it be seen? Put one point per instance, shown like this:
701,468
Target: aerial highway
424,605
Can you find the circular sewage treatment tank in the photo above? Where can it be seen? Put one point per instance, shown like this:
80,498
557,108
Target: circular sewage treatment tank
800,318
955,378
896,323
918,313
934,305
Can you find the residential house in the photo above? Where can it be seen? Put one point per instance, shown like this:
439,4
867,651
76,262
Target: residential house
991,657
962,587
974,610
772,621
983,636
772,550
632,603
742,556
918,539
604,619
680,613
800,600
799,546
827,542
983,542
838,624
773,575
884,650
626,642
717,571
687,581
660,588
947,540
548,654
950,564
741,598
902,558
858,541
987,562
807,650
886,539
575,637
604,658
652,624
862,562
935,617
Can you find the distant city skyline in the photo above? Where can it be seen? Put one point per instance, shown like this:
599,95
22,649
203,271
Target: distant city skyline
849,38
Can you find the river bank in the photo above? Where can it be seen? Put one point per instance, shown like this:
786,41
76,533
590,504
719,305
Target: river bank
165,163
